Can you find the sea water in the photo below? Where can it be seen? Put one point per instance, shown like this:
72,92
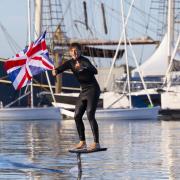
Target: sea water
148,149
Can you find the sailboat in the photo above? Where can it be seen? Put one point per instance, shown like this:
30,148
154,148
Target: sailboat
30,113
128,113
60,40
165,63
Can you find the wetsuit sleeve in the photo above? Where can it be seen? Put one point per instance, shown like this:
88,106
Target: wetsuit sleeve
87,66
63,67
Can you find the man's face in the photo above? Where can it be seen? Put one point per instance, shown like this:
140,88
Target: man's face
74,53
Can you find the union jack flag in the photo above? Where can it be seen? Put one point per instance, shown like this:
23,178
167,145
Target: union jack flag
31,61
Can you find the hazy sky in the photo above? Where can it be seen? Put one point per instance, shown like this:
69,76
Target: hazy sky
13,15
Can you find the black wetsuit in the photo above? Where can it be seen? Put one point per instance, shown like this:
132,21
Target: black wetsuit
88,97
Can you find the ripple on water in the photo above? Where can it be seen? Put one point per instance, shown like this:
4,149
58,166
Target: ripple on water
136,150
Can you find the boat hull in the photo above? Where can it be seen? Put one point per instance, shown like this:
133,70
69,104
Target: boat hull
124,114
128,114
43,113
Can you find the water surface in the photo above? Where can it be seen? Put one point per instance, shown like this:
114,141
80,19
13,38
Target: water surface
136,150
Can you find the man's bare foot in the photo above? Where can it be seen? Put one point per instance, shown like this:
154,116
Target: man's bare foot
81,145
94,146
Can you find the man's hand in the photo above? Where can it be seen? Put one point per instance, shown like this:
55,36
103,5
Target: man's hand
54,72
77,66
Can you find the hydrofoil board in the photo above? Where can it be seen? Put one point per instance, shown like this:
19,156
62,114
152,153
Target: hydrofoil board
86,150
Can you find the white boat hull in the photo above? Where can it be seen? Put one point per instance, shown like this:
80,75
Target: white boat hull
42,113
128,114
124,114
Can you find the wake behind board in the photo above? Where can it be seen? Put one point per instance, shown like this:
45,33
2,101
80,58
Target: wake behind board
85,151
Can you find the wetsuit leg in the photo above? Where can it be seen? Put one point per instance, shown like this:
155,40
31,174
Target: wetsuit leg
92,101
79,111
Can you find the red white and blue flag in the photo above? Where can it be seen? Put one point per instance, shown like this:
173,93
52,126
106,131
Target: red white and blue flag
31,61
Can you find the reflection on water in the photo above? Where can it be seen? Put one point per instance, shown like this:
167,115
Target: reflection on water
136,150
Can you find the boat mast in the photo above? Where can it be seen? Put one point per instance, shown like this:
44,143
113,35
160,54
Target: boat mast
170,35
170,27
29,42
126,56
38,17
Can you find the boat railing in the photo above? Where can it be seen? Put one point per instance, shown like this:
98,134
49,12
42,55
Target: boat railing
137,85
13,102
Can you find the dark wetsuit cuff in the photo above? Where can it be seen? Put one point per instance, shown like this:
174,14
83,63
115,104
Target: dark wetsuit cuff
56,71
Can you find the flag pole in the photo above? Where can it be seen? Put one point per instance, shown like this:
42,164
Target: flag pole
29,42
50,87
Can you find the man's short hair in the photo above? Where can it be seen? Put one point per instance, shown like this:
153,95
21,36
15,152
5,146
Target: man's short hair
75,45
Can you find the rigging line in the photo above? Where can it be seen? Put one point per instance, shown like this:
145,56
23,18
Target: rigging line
104,17
141,25
125,48
129,26
11,46
138,23
71,19
76,26
66,10
95,35
110,8
12,43
93,22
144,13
89,32
147,26
9,36
120,40
140,10
110,20
140,73
51,19
63,15
57,5
170,64
95,31
79,16
81,36
77,21
111,15
62,23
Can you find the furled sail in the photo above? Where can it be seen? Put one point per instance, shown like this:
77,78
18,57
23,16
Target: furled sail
157,64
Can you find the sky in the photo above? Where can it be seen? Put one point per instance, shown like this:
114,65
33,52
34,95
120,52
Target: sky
13,16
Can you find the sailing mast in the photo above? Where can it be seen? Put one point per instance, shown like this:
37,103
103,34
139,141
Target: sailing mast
29,42
170,27
38,17
170,37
